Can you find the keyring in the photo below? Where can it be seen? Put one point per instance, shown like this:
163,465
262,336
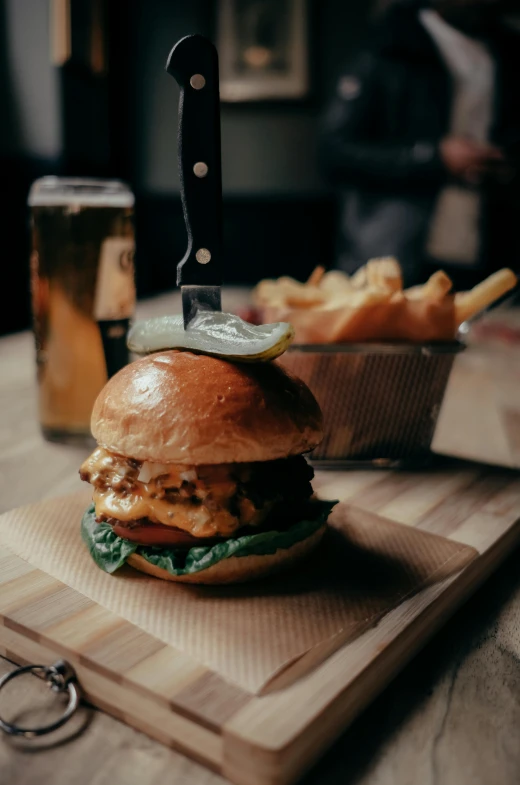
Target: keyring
60,677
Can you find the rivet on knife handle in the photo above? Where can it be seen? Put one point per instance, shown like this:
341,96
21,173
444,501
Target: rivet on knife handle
193,62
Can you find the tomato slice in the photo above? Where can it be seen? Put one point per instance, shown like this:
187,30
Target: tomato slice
158,534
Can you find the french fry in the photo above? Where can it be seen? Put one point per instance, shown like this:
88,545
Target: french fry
371,305
468,304
287,282
316,276
298,295
385,273
359,279
279,292
368,297
397,297
436,287
335,283
267,292
414,292
306,297
354,300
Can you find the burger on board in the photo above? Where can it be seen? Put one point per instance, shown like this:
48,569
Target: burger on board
199,475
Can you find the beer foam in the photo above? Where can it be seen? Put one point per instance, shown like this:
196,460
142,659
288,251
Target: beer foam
85,192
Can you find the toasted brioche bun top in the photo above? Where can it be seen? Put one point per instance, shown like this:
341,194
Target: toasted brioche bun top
179,407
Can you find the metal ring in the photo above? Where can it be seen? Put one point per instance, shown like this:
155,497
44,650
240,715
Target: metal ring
59,677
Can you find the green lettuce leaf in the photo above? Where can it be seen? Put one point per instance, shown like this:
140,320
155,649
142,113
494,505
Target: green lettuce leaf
107,549
110,551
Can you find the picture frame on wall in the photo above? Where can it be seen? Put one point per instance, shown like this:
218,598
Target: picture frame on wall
263,50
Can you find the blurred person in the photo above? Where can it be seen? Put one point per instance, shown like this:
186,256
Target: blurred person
423,141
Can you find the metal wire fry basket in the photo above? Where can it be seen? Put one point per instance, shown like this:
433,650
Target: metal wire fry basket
380,402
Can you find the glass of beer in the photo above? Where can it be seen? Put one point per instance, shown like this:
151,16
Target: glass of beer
83,295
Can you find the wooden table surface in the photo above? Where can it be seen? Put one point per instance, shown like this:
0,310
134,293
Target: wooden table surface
450,718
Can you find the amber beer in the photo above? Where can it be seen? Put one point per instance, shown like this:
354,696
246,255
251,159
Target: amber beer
83,295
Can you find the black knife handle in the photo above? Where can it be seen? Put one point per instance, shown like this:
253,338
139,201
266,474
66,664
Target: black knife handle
193,62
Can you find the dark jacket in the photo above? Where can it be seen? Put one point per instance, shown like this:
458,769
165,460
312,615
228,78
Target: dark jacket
381,137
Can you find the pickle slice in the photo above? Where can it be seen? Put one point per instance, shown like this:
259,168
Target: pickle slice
212,332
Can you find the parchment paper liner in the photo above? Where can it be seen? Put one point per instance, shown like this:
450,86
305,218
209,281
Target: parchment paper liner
262,635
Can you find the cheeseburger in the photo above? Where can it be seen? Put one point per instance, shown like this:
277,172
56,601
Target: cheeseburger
199,474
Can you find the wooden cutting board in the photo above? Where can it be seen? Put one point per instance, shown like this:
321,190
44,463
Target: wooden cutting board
272,739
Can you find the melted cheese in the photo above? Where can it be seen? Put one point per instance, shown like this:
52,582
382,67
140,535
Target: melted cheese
202,495
104,468
104,464
195,519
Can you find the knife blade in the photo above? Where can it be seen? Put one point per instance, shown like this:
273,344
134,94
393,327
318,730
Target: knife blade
193,62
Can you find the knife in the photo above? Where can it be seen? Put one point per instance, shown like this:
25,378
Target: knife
193,62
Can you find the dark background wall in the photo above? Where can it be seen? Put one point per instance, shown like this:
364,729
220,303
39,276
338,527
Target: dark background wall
279,215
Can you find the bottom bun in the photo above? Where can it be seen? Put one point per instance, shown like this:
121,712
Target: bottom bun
237,569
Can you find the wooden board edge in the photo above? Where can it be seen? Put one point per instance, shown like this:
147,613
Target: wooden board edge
169,701
146,715
178,701
249,761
